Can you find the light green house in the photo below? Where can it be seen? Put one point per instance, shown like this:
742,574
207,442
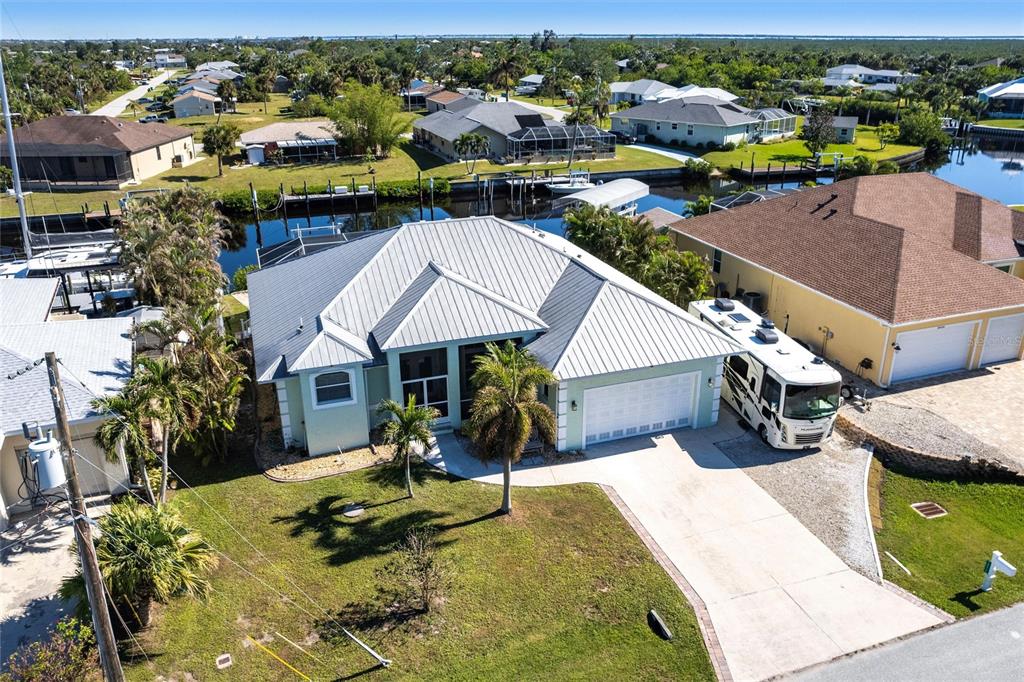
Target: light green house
406,310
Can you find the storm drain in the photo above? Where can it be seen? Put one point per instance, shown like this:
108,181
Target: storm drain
928,510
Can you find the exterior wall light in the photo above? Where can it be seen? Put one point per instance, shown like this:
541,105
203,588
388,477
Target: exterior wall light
573,405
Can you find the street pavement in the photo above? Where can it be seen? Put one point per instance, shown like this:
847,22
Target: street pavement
115,106
989,647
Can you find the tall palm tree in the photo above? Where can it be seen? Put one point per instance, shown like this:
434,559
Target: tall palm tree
506,409
903,92
843,93
406,427
509,62
169,399
126,430
145,554
471,146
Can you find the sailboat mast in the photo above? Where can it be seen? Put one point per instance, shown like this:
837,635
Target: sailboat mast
18,196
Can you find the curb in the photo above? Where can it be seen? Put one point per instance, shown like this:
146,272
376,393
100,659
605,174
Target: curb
917,601
870,449
707,628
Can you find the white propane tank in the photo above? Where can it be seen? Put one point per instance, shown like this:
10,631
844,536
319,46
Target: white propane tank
45,456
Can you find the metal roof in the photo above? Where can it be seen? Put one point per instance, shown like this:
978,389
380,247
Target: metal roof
96,352
26,299
435,282
612,194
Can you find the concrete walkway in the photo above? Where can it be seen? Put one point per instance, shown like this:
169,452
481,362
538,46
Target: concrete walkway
989,647
778,598
678,155
117,105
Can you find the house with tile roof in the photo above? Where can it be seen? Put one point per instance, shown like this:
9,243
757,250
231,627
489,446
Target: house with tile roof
405,311
96,152
895,277
96,360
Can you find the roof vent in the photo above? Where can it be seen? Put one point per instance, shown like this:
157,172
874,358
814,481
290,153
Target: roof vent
766,335
767,324
724,304
817,361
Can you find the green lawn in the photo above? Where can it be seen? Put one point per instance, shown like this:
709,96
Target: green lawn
542,101
946,555
560,590
403,164
1003,122
793,151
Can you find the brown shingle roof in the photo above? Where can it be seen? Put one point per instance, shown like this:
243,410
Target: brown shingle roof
900,247
660,217
81,135
445,96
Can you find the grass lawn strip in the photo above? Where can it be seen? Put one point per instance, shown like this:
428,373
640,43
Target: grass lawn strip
946,555
1017,123
560,590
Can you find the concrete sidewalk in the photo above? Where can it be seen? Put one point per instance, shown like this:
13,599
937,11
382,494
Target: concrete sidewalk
117,105
678,155
778,598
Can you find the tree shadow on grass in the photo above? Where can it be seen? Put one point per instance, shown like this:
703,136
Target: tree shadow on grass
349,539
392,475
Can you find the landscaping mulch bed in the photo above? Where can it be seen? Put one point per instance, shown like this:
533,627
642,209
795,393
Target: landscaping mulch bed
545,455
279,464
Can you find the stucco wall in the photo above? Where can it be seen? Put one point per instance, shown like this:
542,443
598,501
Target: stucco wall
573,421
149,162
111,476
334,427
664,132
377,388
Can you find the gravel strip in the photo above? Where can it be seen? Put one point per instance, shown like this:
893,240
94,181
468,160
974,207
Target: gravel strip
823,489
919,428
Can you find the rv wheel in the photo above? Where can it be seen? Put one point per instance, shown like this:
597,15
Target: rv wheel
763,432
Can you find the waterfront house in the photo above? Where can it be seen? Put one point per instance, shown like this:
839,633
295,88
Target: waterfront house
290,141
96,152
405,311
1004,100
692,121
867,76
894,277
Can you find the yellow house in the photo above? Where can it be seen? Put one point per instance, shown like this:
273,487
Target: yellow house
894,277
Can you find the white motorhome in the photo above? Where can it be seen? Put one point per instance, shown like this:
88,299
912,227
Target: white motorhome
786,393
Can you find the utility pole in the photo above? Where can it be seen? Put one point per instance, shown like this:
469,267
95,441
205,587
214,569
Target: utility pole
101,625
19,197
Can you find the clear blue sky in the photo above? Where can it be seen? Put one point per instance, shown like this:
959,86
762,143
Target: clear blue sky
227,18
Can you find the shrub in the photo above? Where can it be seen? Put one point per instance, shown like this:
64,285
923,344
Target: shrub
699,145
240,279
416,578
887,168
239,202
712,146
66,656
728,146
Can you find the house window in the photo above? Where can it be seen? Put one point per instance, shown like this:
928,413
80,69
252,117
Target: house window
716,261
332,388
658,126
425,376
674,126
689,130
1004,268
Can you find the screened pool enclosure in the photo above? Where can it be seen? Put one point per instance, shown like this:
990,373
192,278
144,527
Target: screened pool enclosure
557,141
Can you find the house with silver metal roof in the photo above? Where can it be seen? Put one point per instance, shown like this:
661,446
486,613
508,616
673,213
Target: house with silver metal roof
405,311
95,360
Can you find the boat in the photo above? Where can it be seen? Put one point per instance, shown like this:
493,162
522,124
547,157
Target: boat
576,181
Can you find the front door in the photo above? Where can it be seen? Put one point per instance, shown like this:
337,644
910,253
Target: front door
425,375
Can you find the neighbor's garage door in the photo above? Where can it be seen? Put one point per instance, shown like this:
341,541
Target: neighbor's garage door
934,350
1002,341
638,407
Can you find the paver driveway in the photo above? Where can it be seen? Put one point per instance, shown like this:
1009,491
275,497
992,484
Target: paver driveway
779,599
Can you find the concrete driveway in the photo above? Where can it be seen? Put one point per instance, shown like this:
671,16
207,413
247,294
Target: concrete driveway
548,112
676,154
115,106
778,598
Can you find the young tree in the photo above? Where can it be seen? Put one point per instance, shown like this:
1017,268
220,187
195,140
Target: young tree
219,140
887,132
699,206
405,428
923,129
145,554
370,120
506,409
127,430
167,399
416,577
818,132
471,146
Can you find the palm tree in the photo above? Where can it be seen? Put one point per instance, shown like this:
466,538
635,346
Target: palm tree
145,554
471,146
509,63
843,93
406,427
168,398
219,141
126,430
903,92
506,410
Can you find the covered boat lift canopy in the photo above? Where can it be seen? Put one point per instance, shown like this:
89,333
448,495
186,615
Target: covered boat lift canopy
614,194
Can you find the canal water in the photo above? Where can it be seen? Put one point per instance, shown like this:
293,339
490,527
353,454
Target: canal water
992,169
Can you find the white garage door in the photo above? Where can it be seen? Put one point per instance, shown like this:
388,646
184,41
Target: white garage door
934,350
1002,341
638,407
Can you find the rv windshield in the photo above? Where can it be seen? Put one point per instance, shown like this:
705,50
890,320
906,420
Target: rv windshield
811,402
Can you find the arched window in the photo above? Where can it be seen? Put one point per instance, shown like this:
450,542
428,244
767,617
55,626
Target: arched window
332,388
